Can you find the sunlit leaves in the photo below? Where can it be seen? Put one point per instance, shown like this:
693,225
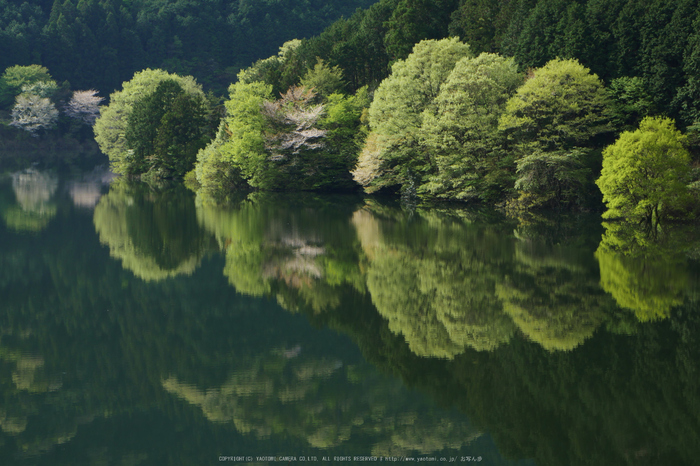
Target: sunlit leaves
396,113
110,127
645,172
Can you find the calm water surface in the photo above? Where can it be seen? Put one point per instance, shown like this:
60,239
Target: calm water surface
143,326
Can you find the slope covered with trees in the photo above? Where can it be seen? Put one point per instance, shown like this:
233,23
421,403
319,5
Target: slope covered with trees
100,43
655,41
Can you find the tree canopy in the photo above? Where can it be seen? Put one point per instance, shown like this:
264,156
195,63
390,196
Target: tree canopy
645,172
111,126
460,130
551,122
396,113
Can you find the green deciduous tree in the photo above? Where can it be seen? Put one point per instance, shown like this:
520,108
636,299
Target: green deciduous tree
324,79
460,130
645,172
15,77
240,142
110,127
164,132
280,71
552,122
396,113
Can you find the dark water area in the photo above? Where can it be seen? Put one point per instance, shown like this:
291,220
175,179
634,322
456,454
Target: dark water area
149,326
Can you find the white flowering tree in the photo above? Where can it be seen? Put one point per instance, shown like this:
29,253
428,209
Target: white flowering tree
84,106
32,113
294,121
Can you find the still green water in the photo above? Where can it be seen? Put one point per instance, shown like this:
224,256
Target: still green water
144,326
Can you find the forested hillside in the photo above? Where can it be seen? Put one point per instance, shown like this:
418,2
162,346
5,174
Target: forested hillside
101,43
655,40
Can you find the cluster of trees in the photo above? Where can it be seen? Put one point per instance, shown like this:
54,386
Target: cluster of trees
593,69
651,44
101,43
155,125
307,139
448,125
34,98
519,111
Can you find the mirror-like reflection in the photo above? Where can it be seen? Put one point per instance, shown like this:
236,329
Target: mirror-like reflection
34,207
647,274
326,404
154,232
162,329
299,250
434,279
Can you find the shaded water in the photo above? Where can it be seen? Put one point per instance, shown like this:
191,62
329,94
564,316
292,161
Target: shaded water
146,326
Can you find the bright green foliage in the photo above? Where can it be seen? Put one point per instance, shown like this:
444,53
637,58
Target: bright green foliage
215,178
345,135
460,130
164,132
396,113
323,79
559,111
293,143
110,127
239,147
244,126
645,172
15,77
646,281
280,71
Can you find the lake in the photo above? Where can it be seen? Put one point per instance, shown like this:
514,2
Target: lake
150,326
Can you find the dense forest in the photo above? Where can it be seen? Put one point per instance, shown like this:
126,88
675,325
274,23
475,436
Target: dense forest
526,104
100,44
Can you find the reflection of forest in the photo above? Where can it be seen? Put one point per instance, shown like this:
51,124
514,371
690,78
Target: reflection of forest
446,284
301,252
34,208
96,345
647,274
434,281
445,281
325,403
84,342
153,232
